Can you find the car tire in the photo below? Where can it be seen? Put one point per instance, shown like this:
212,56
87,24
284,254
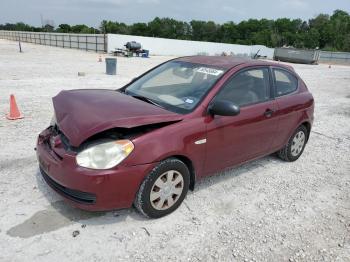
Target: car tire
164,189
295,146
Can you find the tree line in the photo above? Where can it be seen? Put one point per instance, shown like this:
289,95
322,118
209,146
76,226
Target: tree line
327,32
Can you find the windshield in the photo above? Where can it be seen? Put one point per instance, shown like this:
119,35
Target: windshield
176,86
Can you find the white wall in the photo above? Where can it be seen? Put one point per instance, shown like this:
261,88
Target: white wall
172,47
162,46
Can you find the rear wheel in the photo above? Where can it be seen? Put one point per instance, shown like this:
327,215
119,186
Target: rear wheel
295,146
164,189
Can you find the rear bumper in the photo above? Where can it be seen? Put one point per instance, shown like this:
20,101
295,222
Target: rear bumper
88,189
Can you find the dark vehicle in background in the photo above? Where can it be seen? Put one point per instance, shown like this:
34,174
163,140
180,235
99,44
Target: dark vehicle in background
149,142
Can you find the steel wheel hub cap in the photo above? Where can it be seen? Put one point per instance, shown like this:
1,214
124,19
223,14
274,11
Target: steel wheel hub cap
167,190
298,143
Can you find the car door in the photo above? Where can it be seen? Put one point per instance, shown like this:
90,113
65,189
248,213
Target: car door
287,102
235,139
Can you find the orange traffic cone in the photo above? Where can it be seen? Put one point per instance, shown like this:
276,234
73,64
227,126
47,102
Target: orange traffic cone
100,58
14,111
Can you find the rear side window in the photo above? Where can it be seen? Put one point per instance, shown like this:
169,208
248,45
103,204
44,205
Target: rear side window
247,87
285,82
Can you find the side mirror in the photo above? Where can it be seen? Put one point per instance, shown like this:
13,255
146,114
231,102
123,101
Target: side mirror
224,108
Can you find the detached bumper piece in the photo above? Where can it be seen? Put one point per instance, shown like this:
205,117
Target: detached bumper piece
74,195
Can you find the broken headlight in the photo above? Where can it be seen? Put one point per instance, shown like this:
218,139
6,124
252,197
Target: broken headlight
105,155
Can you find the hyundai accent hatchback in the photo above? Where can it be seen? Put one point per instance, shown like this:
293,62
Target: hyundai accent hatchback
149,142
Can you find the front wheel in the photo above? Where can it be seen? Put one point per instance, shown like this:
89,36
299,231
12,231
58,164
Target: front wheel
164,189
295,146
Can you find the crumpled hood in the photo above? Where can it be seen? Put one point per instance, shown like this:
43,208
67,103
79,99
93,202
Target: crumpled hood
83,113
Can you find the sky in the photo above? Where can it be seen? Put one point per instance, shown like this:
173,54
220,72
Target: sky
92,12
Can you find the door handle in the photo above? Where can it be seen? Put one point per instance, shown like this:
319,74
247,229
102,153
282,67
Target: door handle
268,112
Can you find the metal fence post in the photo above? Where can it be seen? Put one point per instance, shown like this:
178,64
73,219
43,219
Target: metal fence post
104,42
96,43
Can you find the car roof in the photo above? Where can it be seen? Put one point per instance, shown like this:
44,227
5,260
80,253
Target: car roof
228,62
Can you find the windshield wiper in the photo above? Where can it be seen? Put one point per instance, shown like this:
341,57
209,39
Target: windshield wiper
143,98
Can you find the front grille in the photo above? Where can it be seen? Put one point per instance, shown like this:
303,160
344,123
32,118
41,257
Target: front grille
74,195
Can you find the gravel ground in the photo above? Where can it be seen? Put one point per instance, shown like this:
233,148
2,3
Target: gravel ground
266,210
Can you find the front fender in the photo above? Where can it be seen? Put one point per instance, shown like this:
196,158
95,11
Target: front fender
175,139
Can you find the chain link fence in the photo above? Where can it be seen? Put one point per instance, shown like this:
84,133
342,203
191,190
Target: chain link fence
334,57
88,42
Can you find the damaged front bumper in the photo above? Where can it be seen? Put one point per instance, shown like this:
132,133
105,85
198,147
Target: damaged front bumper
95,190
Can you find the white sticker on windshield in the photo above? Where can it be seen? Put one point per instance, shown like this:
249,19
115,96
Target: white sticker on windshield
209,71
189,101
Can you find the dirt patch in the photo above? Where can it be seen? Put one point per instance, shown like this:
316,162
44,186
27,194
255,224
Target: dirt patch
56,216
345,111
18,162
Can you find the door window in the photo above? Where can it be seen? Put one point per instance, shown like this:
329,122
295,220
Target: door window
285,82
247,87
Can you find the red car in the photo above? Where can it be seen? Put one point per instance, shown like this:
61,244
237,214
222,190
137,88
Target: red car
149,142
